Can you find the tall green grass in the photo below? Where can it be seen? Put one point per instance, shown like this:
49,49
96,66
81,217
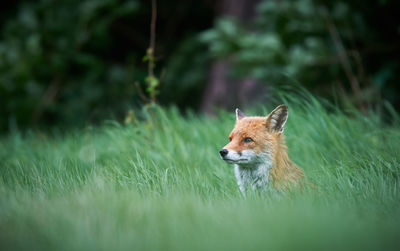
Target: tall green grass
158,184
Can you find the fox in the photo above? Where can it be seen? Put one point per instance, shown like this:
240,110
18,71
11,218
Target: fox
259,153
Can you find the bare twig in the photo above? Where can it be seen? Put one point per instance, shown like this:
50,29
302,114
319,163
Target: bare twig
140,91
150,50
153,27
360,69
47,98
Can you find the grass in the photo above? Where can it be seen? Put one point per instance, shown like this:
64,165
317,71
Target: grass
159,184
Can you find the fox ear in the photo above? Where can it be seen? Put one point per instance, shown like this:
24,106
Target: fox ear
276,120
239,114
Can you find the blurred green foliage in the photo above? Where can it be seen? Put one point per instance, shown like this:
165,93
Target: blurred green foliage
53,61
186,73
313,42
67,62
70,62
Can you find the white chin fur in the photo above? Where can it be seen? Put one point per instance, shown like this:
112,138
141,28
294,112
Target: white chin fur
246,156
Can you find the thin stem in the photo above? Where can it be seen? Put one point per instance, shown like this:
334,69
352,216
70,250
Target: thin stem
152,43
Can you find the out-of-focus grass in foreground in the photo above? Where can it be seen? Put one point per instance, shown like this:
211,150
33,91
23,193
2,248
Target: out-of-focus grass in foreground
159,184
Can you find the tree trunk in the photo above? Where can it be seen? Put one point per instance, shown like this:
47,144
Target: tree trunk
230,93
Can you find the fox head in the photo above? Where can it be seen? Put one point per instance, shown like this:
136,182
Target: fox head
255,139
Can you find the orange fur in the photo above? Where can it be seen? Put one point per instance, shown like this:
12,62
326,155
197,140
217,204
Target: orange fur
283,173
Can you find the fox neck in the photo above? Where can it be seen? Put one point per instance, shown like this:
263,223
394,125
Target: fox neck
284,173
275,168
255,176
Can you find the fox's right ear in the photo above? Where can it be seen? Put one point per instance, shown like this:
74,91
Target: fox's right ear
239,114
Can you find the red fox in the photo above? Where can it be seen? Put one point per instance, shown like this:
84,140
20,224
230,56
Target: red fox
257,149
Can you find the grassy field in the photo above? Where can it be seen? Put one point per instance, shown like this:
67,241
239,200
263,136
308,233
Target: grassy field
158,184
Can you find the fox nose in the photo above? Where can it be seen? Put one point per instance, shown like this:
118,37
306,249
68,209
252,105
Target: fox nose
223,152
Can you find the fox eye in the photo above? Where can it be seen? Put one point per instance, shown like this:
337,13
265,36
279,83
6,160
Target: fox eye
230,139
247,140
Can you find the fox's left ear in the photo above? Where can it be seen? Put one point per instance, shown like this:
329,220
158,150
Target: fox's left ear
239,114
276,120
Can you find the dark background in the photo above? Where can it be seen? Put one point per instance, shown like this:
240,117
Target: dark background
74,62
